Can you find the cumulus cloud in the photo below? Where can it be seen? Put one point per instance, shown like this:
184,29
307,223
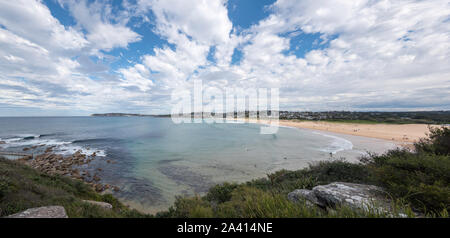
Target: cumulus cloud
368,55
193,27
381,47
384,52
205,21
33,21
96,19
44,64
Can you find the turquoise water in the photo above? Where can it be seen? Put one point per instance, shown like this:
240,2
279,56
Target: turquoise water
153,159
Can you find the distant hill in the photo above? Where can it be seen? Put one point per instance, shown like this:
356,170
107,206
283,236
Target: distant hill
419,117
120,115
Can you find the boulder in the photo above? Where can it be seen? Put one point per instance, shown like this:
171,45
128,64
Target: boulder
79,155
305,194
26,158
99,187
42,212
49,149
96,178
350,194
2,142
358,196
101,204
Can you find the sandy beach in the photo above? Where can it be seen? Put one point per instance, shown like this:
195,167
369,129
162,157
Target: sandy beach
401,134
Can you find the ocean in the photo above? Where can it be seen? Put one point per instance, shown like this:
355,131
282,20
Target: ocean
152,160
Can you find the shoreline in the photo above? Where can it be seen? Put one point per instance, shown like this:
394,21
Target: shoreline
401,134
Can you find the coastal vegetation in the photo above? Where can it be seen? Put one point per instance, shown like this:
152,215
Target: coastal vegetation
22,187
421,177
416,182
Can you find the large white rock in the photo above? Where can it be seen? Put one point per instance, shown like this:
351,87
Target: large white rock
42,212
350,194
305,194
338,193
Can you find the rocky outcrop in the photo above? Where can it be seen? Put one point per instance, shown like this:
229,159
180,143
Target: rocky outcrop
56,164
100,204
42,212
358,196
305,194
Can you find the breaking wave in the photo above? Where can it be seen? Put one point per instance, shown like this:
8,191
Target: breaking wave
338,144
44,141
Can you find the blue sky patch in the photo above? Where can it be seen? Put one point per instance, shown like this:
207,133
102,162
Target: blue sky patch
244,13
236,57
301,43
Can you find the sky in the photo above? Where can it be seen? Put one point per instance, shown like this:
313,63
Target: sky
77,57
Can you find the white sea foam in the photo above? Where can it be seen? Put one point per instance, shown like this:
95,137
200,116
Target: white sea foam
338,144
9,140
60,147
18,142
68,149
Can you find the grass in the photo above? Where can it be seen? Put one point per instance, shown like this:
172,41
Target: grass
367,121
22,187
343,121
361,121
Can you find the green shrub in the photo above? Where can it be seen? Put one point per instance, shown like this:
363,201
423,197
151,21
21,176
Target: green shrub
438,141
421,177
188,207
221,193
338,171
